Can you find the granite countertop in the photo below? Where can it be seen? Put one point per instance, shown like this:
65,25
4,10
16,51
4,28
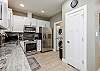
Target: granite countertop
15,59
5,52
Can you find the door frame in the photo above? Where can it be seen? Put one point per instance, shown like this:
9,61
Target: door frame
84,8
54,35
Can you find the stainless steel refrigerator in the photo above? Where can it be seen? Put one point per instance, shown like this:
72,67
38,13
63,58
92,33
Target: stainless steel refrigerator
46,37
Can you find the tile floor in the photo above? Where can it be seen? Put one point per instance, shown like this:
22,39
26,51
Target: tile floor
50,61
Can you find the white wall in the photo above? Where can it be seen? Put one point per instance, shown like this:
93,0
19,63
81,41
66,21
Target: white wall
56,18
90,29
98,37
91,35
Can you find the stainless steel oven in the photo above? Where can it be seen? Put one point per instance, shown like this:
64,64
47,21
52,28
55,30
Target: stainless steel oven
30,45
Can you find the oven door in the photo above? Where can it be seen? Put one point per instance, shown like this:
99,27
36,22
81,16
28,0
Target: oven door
31,46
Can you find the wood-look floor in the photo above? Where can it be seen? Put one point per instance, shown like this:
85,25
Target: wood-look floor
50,61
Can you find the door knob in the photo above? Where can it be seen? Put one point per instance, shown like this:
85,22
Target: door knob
68,41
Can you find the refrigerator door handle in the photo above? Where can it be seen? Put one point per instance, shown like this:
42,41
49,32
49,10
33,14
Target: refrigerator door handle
44,36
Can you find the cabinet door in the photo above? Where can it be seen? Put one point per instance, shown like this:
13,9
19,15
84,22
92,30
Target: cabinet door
10,19
41,23
38,45
18,23
27,21
33,22
4,13
47,24
18,28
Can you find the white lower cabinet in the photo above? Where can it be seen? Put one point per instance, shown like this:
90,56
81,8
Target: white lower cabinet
38,45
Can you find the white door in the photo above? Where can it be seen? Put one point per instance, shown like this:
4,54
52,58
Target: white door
74,38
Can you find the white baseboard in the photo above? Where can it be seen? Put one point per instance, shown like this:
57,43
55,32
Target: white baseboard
63,59
54,50
98,69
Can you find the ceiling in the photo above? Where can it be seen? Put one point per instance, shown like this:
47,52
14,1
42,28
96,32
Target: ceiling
51,7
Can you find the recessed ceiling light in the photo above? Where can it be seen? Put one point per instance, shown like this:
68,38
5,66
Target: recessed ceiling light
22,5
0,1
43,11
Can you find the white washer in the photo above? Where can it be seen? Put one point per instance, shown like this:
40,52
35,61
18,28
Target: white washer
57,46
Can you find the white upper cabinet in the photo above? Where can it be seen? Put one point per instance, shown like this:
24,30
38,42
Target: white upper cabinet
42,23
5,13
19,23
0,12
10,20
34,22
27,21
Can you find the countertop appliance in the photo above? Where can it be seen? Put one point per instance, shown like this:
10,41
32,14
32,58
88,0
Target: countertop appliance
46,38
30,45
28,28
29,33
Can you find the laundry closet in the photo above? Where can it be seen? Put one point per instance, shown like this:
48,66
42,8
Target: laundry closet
58,38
